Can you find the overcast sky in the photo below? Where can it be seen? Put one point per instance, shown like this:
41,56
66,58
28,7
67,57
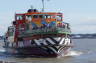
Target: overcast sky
81,14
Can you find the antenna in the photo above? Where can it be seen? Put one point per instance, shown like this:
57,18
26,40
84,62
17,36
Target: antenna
43,5
31,6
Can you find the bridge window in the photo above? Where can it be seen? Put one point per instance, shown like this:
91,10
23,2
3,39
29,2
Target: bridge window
35,16
19,17
48,16
29,17
53,16
41,16
59,18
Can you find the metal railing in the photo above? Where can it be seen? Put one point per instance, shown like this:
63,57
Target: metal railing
62,29
46,30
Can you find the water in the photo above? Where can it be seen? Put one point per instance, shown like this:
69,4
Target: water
84,51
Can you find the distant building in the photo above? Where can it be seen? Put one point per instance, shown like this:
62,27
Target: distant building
78,36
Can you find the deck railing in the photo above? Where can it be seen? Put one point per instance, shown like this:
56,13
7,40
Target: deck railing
46,30
55,30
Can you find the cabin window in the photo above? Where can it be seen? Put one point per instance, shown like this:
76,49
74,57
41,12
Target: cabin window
59,18
41,16
35,16
29,17
19,17
48,16
53,16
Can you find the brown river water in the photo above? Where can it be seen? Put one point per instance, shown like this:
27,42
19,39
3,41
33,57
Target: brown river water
84,51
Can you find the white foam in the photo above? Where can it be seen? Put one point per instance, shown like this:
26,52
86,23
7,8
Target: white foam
74,53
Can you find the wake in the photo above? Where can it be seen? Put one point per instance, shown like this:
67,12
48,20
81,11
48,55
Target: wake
74,53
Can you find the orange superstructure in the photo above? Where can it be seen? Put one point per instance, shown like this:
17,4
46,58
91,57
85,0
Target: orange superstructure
34,19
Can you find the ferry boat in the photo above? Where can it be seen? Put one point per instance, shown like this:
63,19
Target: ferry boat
35,33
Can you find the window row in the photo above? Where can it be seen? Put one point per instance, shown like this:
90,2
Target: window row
29,17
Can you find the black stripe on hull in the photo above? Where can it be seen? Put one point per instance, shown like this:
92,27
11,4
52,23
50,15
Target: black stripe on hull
56,42
41,47
49,41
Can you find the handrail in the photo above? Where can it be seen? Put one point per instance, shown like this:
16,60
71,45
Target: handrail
46,30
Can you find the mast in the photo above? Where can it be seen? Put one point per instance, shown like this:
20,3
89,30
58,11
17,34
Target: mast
43,5
31,6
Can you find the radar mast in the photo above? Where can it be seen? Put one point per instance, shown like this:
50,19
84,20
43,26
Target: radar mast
43,6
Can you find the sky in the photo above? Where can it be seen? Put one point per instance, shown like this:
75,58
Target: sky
80,14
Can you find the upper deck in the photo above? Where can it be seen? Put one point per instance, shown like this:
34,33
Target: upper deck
38,17
34,22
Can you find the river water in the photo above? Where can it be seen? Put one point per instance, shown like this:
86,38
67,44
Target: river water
84,51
